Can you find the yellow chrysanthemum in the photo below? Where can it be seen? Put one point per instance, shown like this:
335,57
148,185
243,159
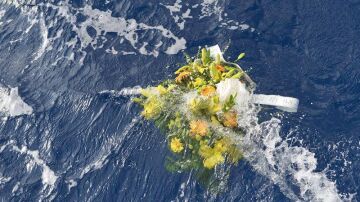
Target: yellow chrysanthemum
220,146
214,160
199,82
176,145
199,127
208,91
230,119
183,75
205,150
152,107
212,156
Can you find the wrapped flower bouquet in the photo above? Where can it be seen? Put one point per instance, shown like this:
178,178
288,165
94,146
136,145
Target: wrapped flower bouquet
206,99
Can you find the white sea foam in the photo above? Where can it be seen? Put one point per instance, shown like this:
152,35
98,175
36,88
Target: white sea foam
4,180
127,29
179,16
71,183
102,22
48,176
287,166
211,7
45,39
123,92
16,187
11,103
214,8
2,13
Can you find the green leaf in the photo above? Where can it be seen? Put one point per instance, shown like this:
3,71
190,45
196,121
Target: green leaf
238,75
229,73
229,103
241,56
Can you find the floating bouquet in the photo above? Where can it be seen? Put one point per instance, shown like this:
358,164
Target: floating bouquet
205,100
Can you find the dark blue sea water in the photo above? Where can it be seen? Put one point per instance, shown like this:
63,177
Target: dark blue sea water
82,145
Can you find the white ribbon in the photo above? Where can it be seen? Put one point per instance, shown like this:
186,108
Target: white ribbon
287,104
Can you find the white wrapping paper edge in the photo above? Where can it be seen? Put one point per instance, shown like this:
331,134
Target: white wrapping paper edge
288,104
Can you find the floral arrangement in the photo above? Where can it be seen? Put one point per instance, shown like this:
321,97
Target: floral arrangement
205,99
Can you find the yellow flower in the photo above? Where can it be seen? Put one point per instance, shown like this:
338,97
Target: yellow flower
205,150
214,160
152,107
230,119
201,69
213,156
162,90
234,154
182,76
176,145
208,91
198,127
199,82
220,146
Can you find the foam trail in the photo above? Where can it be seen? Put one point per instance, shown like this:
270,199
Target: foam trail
287,166
123,92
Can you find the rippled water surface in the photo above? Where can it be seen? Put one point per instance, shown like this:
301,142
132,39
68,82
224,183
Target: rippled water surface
72,142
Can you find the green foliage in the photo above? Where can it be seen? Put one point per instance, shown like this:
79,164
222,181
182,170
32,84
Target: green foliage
229,103
238,75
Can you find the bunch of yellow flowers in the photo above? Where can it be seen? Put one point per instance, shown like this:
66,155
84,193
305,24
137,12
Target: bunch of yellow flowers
189,111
